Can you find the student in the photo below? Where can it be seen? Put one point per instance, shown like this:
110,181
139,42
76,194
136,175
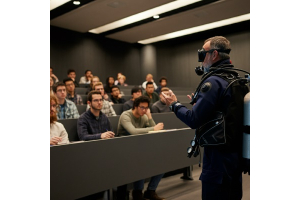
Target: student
139,121
150,93
71,94
149,78
161,106
55,79
162,83
109,83
106,109
66,109
72,75
58,133
135,93
93,124
116,97
94,80
86,79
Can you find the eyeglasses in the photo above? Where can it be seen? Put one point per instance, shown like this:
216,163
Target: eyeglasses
98,100
143,108
61,90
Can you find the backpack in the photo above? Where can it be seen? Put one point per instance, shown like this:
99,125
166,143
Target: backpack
225,129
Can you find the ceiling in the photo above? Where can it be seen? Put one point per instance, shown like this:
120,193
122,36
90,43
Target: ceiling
95,13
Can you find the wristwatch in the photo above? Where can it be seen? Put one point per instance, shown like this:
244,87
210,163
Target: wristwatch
173,105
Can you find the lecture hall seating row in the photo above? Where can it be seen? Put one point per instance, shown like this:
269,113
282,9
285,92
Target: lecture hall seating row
81,169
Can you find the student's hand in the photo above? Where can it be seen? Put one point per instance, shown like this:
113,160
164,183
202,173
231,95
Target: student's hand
120,96
159,126
53,76
169,99
55,140
148,113
107,135
105,96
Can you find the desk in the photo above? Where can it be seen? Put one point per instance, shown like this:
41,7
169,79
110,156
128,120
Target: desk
81,169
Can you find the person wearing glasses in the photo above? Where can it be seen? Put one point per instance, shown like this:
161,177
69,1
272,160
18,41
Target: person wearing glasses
66,109
93,124
71,94
58,133
106,109
136,121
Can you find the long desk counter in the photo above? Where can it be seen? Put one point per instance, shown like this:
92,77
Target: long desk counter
81,169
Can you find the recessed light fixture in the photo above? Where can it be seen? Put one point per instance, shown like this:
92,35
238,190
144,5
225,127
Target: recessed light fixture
143,15
76,3
197,29
156,16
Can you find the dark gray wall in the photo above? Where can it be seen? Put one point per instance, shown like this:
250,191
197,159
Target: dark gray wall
178,62
176,59
104,57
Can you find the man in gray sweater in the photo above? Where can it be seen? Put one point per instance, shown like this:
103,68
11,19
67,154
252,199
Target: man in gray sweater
161,106
133,122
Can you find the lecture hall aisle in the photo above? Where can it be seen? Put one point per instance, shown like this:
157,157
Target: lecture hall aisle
174,188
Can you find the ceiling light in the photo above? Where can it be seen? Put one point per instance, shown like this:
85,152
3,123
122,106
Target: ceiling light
143,15
197,29
76,2
156,16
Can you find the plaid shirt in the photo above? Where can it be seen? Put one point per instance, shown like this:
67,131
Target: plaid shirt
77,99
106,109
70,110
91,128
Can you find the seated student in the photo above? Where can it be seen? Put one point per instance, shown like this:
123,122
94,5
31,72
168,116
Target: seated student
162,83
55,79
100,87
161,106
58,133
94,79
72,75
86,79
135,93
93,124
109,83
116,81
139,121
149,78
121,80
66,109
106,109
150,93
71,94
116,97
51,84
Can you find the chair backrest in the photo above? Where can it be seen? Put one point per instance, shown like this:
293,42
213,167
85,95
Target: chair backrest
81,91
114,120
127,97
118,108
71,128
81,108
81,85
84,98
